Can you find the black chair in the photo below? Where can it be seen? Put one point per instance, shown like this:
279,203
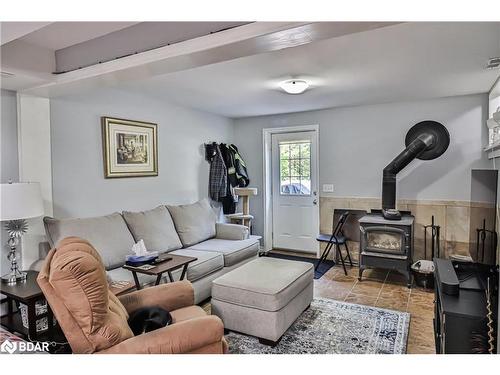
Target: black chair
337,238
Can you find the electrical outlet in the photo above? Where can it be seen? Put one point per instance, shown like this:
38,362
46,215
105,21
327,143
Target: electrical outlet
327,188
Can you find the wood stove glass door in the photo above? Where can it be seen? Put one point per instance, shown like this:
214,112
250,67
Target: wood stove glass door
295,199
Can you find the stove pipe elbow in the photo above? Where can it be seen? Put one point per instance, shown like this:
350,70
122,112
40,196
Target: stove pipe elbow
411,152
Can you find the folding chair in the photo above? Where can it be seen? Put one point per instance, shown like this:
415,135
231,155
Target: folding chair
337,238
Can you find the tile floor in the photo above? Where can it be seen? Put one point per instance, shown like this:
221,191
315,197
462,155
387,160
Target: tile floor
385,289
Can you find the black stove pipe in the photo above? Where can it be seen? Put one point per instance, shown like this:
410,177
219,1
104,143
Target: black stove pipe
414,149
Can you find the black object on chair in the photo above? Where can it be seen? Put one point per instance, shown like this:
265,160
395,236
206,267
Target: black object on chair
337,238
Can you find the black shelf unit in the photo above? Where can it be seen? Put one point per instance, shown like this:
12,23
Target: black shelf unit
458,319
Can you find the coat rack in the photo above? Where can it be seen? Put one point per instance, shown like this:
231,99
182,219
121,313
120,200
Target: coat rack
210,151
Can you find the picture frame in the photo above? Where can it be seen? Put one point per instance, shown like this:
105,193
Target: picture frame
130,148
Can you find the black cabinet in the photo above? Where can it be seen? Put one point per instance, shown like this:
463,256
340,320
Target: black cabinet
460,322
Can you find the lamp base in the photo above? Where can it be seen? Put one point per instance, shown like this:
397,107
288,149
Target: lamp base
14,277
15,228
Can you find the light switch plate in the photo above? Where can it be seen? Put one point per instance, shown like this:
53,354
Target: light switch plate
327,188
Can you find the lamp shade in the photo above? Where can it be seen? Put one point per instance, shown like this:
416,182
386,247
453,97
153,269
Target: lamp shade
20,201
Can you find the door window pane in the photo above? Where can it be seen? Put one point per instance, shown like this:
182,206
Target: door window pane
295,168
284,151
294,150
305,150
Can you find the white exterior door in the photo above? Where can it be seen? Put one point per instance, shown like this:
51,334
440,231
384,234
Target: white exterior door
294,191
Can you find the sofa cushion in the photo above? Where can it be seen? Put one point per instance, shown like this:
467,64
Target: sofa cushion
206,263
264,283
233,251
155,227
109,235
226,231
194,222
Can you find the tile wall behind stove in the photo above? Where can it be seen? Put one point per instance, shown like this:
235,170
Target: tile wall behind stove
454,218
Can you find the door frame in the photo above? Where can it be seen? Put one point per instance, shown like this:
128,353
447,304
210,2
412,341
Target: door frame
267,175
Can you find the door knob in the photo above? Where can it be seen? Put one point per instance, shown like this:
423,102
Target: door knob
315,201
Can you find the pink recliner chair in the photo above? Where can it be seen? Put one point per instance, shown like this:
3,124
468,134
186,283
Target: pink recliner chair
94,320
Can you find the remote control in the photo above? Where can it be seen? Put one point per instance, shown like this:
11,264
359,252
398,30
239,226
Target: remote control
161,260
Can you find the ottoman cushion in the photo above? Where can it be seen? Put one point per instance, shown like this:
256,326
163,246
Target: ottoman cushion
266,283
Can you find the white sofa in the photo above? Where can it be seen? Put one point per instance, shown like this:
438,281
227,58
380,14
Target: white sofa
190,230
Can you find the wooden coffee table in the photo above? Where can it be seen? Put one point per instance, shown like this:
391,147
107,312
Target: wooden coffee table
169,266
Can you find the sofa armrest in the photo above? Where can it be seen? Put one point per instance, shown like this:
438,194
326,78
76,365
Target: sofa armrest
171,296
178,338
231,231
43,251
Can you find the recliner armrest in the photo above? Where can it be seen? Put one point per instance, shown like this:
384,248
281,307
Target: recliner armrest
171,296
234,232
178,338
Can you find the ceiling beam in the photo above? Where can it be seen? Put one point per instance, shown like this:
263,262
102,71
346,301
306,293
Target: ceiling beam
246,40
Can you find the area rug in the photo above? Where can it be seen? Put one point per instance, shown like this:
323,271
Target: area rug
334,327
323,268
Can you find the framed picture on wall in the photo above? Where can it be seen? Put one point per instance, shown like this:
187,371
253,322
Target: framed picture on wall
129,148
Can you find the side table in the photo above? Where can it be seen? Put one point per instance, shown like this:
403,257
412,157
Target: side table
28,293
176,262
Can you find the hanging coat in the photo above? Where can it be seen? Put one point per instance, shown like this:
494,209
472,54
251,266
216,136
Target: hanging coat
236,168
229,201
229,160
218,183
240,168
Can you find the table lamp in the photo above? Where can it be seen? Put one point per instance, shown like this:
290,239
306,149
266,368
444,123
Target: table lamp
19,201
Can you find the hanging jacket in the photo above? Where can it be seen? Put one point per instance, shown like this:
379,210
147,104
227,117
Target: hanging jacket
229,160
228,202
236,169
240,167
218,183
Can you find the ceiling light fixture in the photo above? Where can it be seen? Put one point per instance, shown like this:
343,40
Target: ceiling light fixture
294,86
493,63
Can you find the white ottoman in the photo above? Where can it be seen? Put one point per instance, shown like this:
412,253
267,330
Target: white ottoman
263,297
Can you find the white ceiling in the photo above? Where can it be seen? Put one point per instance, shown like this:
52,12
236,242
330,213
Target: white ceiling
60,35
396,63
245,40
13,30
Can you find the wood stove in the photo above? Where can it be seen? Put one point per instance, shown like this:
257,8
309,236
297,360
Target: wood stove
387,234
386,243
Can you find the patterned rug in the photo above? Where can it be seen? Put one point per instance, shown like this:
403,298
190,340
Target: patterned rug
333,327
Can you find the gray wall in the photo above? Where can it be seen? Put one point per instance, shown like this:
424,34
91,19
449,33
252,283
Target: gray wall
79,186
10,163
9,157
356,143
